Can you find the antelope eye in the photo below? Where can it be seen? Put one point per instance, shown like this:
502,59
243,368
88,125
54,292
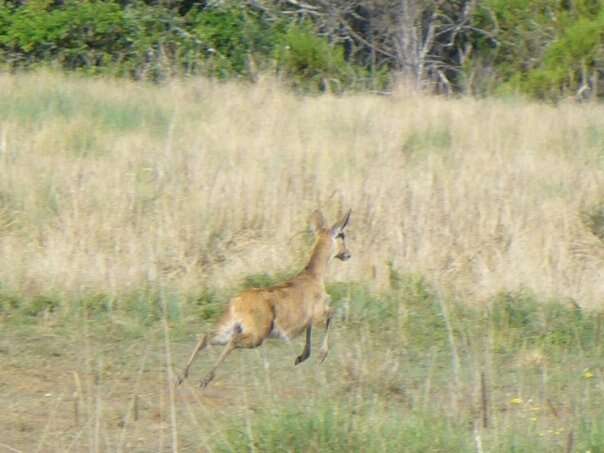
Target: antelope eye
340,236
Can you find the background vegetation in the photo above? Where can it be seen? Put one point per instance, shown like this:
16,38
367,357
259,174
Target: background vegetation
548,49
468,318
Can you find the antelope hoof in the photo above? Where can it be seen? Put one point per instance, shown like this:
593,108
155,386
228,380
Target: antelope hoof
206,380
322,355
181,379
300,359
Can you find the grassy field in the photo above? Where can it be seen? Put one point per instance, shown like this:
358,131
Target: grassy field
469,318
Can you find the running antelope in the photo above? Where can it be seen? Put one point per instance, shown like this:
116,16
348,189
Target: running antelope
283,311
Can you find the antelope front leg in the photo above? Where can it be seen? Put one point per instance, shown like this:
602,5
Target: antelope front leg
306,352
325,345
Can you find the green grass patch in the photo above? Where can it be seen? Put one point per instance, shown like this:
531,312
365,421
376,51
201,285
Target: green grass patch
51,103
9,302
124,117
411,308
412,315
43,304
264,280
591,434
36,106
329,427
422,142
207,305
389,383
520,318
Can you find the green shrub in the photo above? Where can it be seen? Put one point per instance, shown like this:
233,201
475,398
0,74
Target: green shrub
41,304
9,302
578,49
593,218
516,33
516,311
567,326
207,305
76,35
94,305
312,62
543,48
229,36
139,40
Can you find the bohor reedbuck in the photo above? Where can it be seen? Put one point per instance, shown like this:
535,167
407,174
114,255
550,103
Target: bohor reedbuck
284,310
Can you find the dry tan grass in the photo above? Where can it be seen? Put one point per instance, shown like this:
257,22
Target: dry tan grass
216,181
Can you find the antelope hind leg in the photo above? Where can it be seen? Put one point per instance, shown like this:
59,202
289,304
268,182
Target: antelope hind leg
201,344
225,352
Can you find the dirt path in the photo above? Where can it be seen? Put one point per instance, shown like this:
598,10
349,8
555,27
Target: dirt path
94,394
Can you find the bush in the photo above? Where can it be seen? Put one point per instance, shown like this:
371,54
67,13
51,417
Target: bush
311,62
42,304
229,37
9,302
569,59
543,48
155,42
139,41
207,305
593,219
79,35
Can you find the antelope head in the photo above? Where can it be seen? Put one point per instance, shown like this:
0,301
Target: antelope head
332,238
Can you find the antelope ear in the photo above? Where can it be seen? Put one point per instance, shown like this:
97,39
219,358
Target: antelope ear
317,221
343,223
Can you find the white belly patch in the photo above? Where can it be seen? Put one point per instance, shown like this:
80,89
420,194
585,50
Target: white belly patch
277,332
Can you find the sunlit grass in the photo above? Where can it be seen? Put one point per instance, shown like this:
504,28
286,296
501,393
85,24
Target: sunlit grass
109,185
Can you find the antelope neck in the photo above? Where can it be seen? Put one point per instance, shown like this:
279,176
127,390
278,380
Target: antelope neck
317,265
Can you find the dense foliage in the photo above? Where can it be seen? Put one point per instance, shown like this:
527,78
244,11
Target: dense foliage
155,41
545,48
